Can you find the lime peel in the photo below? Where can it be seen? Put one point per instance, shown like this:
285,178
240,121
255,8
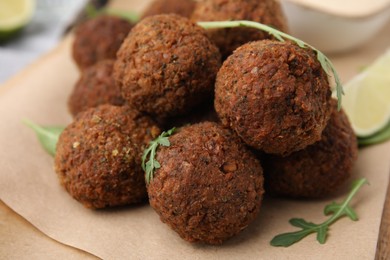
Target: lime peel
381,136
367,99
14,16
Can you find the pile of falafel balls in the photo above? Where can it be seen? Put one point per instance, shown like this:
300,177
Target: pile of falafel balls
252,114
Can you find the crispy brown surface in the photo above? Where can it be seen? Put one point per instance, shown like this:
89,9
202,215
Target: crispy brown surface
96,86
166,66
99,39
98,158
209,186
274,95
180,7
201,113
318,170
267,12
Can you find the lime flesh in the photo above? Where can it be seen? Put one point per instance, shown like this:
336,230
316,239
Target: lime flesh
367,98
14,16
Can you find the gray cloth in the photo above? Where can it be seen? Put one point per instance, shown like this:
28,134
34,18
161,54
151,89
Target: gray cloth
50,20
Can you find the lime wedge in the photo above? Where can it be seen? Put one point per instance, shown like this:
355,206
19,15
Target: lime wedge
367,98
14,16
377,138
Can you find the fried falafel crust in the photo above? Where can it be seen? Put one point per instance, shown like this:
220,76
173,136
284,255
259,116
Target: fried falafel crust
96,86
274,95
99,39
320,169
209,186
180,7
98,156
268,12
166,66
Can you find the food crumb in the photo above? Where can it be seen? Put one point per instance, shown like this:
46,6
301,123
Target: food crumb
115,152
229,167
96,119
255,70
76,144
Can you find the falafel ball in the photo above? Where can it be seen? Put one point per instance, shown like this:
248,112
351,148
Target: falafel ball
180,7
274,95
318,170
166,65
202,113
98,39
209,186
98,156
96,86
268,12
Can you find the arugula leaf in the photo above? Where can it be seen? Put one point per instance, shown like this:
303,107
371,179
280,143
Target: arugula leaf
347,211
47,135
288,239
321,234
326,64
338,210
152,164
299,222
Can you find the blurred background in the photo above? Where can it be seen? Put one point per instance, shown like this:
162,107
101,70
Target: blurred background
50,21
333,28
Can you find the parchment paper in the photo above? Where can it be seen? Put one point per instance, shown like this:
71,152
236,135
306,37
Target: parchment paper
30,187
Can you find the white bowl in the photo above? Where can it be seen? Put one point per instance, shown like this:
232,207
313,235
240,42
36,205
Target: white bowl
338,29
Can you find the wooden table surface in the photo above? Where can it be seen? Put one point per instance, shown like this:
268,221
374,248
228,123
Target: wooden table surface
383,246
17,234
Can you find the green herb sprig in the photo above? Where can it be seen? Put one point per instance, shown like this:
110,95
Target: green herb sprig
338,211
326,64
152,164
47,135
130,16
